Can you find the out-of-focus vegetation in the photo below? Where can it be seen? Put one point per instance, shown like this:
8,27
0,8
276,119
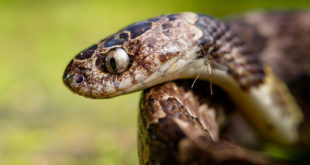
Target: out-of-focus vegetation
42,122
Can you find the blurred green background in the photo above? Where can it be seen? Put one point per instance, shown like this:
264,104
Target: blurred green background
42,122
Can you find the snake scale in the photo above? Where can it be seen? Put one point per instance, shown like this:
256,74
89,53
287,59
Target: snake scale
187,46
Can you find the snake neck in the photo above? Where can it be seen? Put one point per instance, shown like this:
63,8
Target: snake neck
223,47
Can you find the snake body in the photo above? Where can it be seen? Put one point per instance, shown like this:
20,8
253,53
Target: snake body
181,125
182,46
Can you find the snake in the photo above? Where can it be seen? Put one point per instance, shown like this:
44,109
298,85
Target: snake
188,46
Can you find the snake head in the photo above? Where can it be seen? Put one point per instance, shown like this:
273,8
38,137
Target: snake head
133,58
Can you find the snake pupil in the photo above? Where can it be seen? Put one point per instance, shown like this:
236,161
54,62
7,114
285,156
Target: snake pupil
113,63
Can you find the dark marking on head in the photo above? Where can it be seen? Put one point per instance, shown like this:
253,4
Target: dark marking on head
172,17
117,39
87,53
139,28
166,26
134,46
111,42
123,36
100,64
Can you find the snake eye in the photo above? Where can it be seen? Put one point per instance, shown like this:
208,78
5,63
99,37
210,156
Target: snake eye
117,61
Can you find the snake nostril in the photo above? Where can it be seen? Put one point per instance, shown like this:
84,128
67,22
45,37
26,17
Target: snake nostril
79,78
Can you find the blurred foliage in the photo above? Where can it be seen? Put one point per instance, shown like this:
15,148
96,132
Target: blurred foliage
42,122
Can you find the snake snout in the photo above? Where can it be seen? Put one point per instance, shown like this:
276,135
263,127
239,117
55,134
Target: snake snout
73,76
